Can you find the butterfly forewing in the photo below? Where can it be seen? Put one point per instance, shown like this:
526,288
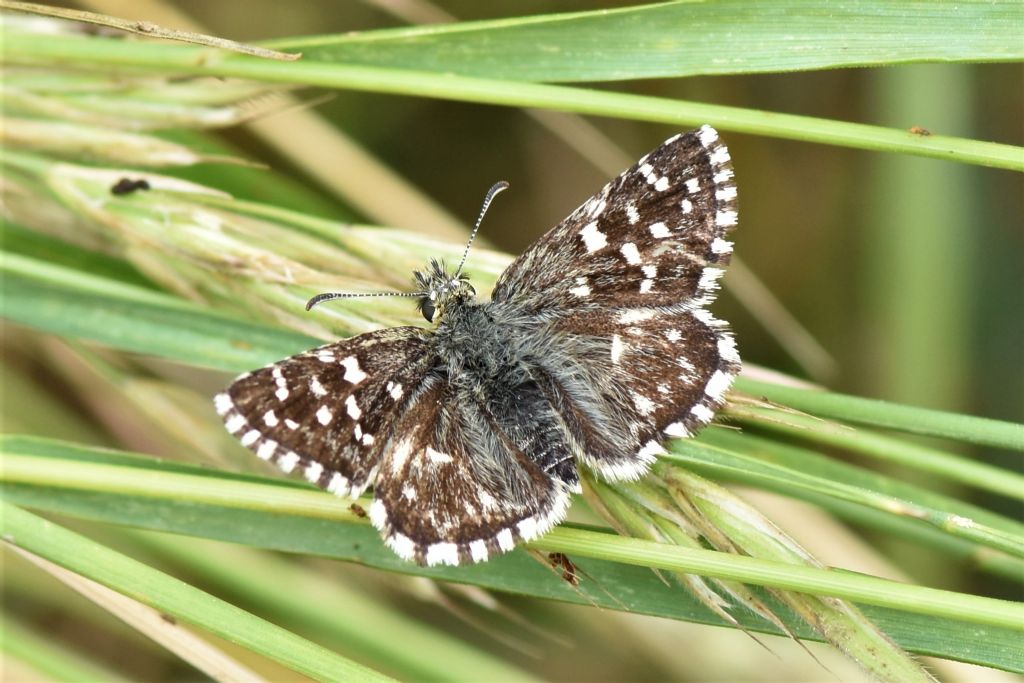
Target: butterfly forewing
650,237
328,412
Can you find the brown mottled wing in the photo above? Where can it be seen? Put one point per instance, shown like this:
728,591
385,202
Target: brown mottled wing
329,412
624,281
654,236
454,488
651,374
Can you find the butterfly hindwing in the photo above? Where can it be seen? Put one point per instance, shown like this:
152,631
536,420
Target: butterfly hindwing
650,237
329,411
454,488
659,373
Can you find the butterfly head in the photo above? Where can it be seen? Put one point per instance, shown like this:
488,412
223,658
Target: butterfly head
440,290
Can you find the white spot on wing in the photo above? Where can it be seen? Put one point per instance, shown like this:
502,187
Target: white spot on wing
632,214
442,553
527,528
250,437
487,500
709,278
338,485
631,253
659,230
635,315
702,412
708,135
505,540
644,405
646,285
580,291
478,551
316,388
593,238
727,349
288,461
324,415
281,393
402,545
409,492
718,385
686,205
352,409
725,194
234,423
437,457
720,246
270,419
353,374
677,429
401,453
290,423
725,219
651,450
378,514
720,156
617,348
662,184
313,472
266,449
223,403
693,185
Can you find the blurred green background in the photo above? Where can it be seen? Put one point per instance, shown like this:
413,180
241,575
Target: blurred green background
908,271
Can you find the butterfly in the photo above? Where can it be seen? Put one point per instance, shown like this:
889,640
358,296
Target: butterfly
595,347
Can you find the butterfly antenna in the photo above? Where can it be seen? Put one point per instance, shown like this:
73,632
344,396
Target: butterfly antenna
488,198
327,296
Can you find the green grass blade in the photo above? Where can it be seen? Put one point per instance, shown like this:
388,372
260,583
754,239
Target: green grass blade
688,38
373,632
979,430
290,516
80,305
885,448
45,654
798,473
144,57
171,596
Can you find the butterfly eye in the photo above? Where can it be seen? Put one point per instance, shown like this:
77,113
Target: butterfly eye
427,309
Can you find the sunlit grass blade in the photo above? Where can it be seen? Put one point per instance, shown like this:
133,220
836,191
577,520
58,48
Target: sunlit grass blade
687,38
956,468
979,430
140,57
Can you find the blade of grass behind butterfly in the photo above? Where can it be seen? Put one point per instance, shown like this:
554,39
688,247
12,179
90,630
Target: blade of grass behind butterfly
910,419
729,460
47,657
868,443
366,628
105,566
676,39
636,587
863,487
96,52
